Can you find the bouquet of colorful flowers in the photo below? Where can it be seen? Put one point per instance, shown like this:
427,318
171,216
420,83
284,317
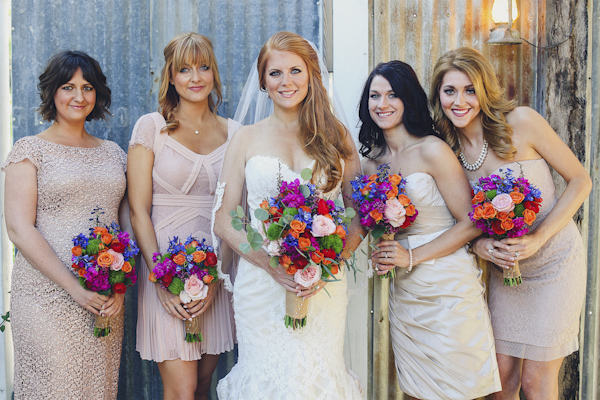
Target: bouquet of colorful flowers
303,233
505,206
105,263
382,204
186,270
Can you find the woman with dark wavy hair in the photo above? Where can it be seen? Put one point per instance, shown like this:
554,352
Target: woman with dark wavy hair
53,182
439,321
536,323
174,159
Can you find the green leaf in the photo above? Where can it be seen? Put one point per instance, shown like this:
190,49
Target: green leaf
255,239
491,194
377,232
233,213
338,203
286,219
2,327
306,174
304,190
245,248
237,224
240,212
274,262
104,292
261,215
350,213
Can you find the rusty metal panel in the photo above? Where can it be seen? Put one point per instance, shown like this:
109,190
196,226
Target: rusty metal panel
419,32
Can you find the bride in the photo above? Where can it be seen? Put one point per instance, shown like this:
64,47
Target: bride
276,362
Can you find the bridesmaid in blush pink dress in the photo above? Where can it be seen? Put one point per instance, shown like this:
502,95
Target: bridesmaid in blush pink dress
174,158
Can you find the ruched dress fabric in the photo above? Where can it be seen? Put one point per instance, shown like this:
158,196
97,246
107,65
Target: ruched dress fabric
183,189
439,321
539,319
56,354
276,362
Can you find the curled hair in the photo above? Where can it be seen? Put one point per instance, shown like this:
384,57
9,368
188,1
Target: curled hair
491,97
406,87
60,69
323,135
186,49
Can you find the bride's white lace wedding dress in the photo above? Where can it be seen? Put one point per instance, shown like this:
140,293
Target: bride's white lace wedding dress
276,362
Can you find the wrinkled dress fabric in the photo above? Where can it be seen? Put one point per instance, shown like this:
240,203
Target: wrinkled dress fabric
539,319
439,321
56,353
183,189
276,362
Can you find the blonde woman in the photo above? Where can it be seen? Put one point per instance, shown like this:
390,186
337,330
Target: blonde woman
174,159
535,324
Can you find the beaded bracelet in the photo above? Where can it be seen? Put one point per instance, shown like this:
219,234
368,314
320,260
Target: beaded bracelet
410,261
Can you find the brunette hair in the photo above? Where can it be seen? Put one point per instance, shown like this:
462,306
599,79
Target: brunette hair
323,135
60,69
186,48
491,97
406,87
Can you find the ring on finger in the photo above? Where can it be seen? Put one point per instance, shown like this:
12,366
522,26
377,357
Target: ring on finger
517,254
386,256
491,251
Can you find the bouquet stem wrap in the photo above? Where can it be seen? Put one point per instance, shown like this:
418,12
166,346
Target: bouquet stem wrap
296,309
102,326
392,272
512,275
192,331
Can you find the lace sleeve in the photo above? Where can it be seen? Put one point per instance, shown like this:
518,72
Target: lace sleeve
120,155
24,149
143,132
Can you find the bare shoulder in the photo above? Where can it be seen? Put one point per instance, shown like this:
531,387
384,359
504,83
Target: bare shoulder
432,148
524,117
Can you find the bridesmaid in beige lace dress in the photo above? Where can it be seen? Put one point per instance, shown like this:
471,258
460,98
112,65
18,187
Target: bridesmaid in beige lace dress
53,181
174,161
535,324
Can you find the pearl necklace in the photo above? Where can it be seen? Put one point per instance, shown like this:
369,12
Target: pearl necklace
480,159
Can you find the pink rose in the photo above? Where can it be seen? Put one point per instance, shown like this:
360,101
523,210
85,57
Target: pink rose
395,212
274,248
503,203
194,289
307,276
118,260
322,226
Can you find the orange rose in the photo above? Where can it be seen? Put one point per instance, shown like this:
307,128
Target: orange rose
106,238
303,243
126,267
152,277
198,256
297,226
291,270
179,259
81,272
376,215
273,210
507,224
293,233
77,250
285,261
317,257
489,211
105,259
395,179
517,197
373,178
99,230
478,198
511,214
410,210
393,192
264,205
365,191
404,200
340,231
502,216
478,212
528,217
305,208
334,269
208,279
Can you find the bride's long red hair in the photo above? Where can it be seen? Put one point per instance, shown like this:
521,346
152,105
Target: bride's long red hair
323,135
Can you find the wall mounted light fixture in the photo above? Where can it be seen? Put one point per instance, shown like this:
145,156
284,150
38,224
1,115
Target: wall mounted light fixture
504,14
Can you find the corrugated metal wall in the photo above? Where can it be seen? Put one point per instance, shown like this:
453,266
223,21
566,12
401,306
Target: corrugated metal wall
127,37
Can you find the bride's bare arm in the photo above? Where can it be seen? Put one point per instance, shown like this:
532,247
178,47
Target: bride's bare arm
233,175
20,209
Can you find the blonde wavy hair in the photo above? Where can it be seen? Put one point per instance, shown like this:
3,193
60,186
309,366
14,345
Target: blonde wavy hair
491,97
323,135
186,49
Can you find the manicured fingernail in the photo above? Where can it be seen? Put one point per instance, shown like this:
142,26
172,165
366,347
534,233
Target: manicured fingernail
184,306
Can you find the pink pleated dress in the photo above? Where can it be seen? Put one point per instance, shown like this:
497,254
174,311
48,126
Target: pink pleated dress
184,184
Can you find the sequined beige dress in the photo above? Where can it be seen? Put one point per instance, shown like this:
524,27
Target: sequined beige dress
56,355
183,186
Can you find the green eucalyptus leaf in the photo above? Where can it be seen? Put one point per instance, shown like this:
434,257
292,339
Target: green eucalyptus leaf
245,248
233,213
274,262
306,174
350,213
240,212
304,190
256,241
377,232
261,215
237,224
